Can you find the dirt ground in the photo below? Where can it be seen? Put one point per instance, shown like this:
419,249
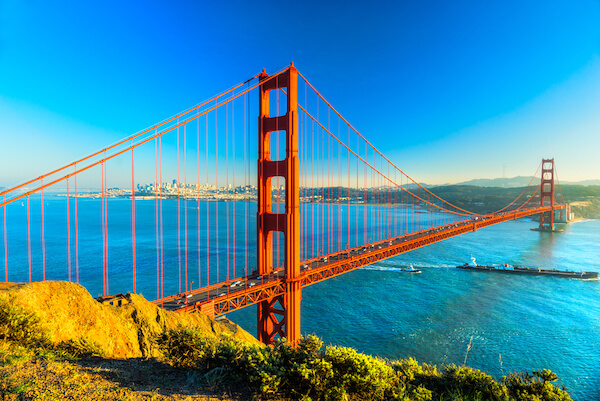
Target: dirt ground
26,376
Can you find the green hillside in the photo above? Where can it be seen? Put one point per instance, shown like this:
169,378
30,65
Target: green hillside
585,200
58,343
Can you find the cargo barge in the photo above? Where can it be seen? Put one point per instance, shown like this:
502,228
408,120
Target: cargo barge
506,268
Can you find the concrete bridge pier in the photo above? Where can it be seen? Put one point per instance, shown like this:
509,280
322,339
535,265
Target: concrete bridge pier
563,215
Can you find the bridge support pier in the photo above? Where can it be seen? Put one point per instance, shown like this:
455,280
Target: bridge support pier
279,317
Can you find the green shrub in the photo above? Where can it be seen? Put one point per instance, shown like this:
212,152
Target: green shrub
338,373
411,372
305,375
19,326
80,348
537,385
471,384
361,376
186,348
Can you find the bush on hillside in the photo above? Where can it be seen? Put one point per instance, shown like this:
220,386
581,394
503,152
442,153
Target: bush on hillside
338,373
360,375
19,326
80,348
186,348
537,385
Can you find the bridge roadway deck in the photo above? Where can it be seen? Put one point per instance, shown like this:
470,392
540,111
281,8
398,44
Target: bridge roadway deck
234,294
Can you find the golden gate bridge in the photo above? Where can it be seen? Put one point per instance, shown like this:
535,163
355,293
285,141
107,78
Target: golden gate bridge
319,201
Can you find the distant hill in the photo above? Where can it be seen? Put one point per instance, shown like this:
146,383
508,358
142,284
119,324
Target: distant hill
584,199
513,182
585,182
519,181
411,186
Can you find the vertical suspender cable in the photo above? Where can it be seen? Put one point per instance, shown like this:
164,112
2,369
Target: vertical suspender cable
217,193
156,217
329,171
29,237
340,189
233,177
162,248
76,232
389,204
348,189
411,221
178,217
106,223
307,254
365,204
207,209
372,201
356,193
381,202
431,215
43,235
318,230
329,185
323,207
301,185
103,236
133,219
395,231
245,197
227,188
198,197
106,219
68,232
419,215
305,155
5,244
185,205
312,189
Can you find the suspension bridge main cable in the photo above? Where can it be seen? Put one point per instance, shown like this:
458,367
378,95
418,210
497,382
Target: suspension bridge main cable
530,198
383,175
467,213
129,148
396,167
559,188
511,203
129,138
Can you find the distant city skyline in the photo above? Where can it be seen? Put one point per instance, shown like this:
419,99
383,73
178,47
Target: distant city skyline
449,92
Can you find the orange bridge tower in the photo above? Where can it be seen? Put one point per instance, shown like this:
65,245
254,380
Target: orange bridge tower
279,316
547,195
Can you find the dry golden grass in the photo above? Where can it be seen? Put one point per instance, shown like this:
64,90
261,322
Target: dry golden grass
68,313
124,336
33,376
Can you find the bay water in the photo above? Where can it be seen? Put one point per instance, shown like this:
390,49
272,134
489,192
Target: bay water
515,323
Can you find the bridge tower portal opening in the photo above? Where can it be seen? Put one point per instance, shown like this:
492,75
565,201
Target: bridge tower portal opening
279,317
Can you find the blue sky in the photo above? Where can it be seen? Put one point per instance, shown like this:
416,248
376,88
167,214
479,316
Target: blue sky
450,91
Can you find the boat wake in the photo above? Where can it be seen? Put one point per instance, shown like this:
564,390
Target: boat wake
389,267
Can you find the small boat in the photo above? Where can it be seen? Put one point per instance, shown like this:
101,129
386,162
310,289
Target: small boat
410,269
506,268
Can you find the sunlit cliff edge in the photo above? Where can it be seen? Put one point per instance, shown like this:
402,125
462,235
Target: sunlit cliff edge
58,343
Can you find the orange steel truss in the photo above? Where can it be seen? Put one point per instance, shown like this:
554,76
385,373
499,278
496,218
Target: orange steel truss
547,193
279,316
275,289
